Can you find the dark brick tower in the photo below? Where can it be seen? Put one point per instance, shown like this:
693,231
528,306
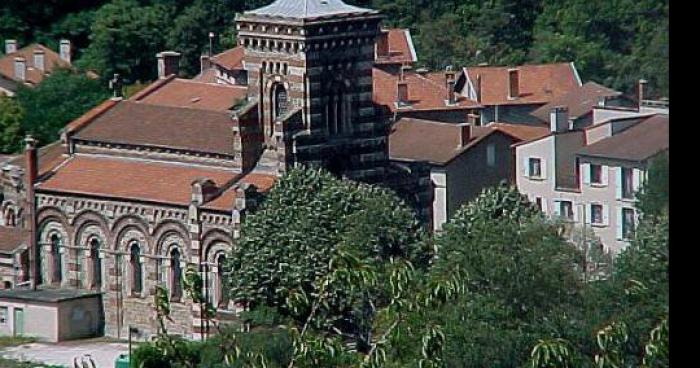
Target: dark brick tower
309,65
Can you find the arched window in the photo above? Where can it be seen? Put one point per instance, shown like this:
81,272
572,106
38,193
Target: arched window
280,101
96,263
10,218
175,276
222,296
136,269
56,256
335,109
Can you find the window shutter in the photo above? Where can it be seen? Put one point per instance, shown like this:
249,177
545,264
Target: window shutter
618,223
543,168
589,212
586,171
557,208
604,174
526,166
544,206
618,182
636,179
606,211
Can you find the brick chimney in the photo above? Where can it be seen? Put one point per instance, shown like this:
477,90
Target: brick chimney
465,134
513,83
402,92
10,46
383,44
450,85
39,60
64,51
30,177
559,119
477,88
168,63
640,91
20,68
204,62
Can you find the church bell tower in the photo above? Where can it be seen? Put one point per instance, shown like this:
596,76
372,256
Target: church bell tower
309,65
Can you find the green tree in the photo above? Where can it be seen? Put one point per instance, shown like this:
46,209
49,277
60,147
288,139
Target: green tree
11,116
60,98
652,200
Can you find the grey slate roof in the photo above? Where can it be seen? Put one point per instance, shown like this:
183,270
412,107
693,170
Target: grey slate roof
304,9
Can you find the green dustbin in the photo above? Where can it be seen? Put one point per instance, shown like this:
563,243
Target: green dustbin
122,361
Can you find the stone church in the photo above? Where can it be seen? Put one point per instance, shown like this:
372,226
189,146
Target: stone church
138,189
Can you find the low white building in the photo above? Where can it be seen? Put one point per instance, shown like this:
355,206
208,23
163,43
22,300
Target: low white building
589,177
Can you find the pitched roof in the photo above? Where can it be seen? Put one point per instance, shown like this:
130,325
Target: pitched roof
401,50
637,143
193,94
32,75
263,183
521,132
48,158
305,9
230,59
162,126
206,76
11,238
538,83
425,92
580,101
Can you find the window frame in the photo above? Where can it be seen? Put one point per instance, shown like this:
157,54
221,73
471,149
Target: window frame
530,171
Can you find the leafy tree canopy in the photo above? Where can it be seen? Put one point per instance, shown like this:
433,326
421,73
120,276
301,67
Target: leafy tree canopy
11,115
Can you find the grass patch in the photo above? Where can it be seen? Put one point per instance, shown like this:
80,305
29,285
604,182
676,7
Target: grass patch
7,341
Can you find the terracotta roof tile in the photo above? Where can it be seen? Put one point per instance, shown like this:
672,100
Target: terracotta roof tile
637,143
89,116
129,179
580,101
207,76
11,238
230,59
48,157
32,75
521,132
538,83
194,94
425,92
162,126
225,201
401,50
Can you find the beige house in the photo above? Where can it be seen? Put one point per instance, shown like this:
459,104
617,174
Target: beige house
589,177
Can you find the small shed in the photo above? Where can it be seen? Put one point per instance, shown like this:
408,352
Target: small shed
51,315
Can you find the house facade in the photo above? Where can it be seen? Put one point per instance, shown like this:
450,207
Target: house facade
29,65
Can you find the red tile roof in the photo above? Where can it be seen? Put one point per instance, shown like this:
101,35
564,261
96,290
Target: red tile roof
48,157
193,94
425,92
230,59
130,179
207,76
263,183
538,83
33,76
11,238
162,126
521,132
580,101
637,143
401,50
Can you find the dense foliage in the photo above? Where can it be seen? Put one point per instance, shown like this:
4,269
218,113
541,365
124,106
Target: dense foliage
11,115
612,42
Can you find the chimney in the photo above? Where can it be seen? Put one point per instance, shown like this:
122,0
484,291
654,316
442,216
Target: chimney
64,51
383,44
31,175
20,68
39,60
559,119
641,89
10,46
465,134
204,62
513,83
168,63
450,85
402,90
477,88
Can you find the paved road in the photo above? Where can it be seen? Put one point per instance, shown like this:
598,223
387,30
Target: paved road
103,353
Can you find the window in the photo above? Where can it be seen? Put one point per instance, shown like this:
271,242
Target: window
596,214
96,263
566,210
627,223
56,256
596,174
538,201
491,154
136,269
627,185
280,101
175,275
222,295
3,315
535,166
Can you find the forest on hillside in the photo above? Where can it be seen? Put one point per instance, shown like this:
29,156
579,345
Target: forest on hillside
613,42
